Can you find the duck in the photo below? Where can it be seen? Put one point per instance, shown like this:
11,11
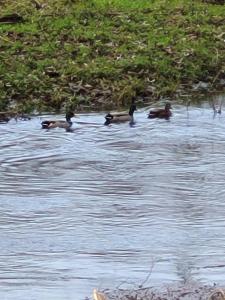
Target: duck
4,118
23,117
164,113
121,117
48,124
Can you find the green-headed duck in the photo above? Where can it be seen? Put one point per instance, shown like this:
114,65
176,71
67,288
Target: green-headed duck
48,124
121,117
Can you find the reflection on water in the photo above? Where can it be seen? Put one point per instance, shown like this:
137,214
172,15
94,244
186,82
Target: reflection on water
103,205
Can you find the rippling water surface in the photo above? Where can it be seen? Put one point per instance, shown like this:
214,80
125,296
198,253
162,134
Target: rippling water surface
105,205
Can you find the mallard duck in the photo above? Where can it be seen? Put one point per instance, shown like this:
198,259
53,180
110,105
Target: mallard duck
161,112
4,118
59,123
121,117
23,117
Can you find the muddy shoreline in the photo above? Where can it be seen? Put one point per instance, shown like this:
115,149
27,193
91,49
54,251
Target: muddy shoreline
187,291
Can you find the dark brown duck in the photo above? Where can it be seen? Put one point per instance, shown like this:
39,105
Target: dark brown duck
4,118
164,113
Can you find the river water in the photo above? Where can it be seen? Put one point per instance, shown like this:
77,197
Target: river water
103,206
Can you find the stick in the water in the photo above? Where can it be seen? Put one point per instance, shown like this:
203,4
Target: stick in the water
98,295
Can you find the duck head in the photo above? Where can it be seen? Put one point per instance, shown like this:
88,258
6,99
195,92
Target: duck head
168,106
69,115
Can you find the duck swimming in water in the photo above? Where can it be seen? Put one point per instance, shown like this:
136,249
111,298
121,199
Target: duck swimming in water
121,117
4,118
163,113
48,124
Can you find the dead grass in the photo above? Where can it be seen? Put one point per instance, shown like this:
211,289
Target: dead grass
191,291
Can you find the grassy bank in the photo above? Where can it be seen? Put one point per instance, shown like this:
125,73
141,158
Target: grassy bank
98,53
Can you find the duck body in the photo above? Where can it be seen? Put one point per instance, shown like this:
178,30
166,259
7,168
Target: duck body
163,113
48,124
120,117
56,124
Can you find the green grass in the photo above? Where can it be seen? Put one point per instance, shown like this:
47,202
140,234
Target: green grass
101,52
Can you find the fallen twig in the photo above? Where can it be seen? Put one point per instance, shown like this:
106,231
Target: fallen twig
11,19
217,295
37,4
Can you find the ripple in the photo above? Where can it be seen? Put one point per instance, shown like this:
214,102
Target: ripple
101,204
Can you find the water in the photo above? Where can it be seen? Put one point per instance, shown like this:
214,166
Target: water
104,206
